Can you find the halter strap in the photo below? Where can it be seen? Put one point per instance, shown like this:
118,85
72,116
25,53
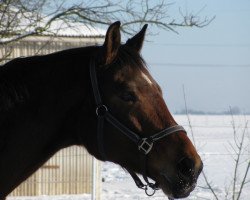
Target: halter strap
144,144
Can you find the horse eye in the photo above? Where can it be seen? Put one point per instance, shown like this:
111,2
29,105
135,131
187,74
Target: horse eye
128,96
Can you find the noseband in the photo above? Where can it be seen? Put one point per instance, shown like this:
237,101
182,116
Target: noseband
144,144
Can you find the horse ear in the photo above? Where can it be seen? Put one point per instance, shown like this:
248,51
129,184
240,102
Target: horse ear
112,42
136,42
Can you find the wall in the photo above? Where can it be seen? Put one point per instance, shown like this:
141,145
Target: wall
70,170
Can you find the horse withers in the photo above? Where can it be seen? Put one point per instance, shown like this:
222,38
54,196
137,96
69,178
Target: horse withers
100,97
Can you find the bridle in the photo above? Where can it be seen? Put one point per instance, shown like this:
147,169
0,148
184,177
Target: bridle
144,144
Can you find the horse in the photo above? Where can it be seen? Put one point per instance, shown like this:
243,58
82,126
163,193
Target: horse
102,98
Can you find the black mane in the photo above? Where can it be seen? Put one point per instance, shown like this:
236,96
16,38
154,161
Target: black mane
13,90
129,57
17,75
14,75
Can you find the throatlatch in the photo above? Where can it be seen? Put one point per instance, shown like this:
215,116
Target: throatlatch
144,144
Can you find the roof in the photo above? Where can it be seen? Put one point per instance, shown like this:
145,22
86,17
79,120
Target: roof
26,23
76,29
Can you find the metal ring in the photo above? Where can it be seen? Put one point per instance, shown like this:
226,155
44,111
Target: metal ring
101,110
147,193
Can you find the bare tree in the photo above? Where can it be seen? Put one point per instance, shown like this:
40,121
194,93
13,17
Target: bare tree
23,18
234,190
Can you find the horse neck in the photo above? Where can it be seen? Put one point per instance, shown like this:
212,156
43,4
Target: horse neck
55,115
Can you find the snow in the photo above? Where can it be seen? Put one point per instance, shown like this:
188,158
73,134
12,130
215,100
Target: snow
213,135
56,197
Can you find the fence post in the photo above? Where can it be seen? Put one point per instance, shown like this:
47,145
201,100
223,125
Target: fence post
93,195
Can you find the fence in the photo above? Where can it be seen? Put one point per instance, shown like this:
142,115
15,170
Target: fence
68,172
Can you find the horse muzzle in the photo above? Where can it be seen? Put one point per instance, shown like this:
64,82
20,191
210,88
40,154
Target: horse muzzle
183,182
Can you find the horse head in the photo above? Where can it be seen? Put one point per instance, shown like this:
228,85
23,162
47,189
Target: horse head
132,95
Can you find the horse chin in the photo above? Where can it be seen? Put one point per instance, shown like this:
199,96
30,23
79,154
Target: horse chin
175,190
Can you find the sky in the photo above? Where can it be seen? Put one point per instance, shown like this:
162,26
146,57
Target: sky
213,63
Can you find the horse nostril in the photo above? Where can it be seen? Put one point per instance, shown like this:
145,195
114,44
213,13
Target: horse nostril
186,167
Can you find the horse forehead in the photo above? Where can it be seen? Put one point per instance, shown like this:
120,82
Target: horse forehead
135,77
140,79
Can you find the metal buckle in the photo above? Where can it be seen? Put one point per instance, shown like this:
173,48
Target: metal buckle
101,110
145,145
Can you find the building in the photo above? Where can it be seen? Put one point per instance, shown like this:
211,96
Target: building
72,170
58,37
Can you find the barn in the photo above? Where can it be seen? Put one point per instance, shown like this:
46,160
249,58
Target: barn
71,170
58,37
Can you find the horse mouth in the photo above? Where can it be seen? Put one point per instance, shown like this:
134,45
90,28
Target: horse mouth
175,189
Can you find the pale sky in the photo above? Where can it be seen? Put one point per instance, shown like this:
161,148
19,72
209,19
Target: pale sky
213,62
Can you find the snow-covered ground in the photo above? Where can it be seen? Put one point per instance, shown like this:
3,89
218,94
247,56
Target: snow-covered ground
213,136
214,139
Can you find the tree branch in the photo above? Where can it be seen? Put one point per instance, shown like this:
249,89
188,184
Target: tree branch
21,19
192,134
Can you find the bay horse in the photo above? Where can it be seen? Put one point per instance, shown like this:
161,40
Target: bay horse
99,97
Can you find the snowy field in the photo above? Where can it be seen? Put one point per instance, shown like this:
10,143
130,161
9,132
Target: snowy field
214,139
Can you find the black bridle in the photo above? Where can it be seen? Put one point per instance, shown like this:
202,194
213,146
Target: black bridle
144,144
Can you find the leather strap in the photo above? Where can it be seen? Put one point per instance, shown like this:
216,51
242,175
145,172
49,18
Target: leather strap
94,83
144,144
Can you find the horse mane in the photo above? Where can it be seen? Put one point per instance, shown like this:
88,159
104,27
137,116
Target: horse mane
15,75
13,91
127,56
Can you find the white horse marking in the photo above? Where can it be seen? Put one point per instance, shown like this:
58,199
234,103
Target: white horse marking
146,78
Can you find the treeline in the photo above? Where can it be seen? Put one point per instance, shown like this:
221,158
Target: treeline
233,110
